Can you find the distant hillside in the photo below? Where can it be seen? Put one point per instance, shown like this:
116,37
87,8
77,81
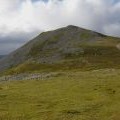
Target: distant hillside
70,47
1,56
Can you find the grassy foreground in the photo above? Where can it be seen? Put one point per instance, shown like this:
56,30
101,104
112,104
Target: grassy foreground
91,95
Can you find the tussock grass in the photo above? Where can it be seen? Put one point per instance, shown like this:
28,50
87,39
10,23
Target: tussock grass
72,95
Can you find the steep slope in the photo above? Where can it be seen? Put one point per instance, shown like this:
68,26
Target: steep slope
66,48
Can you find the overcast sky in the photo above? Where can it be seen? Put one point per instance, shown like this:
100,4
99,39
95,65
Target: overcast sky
21,20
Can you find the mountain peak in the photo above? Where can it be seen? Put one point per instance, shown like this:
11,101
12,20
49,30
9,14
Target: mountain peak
63,45
72,26
76,27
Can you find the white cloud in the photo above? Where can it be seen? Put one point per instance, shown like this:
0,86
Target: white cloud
27,17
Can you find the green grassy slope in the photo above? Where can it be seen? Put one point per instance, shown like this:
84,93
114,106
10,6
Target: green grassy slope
63,49
86,85
99,54
92,95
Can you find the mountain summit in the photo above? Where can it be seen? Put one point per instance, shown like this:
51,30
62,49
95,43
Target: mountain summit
70,47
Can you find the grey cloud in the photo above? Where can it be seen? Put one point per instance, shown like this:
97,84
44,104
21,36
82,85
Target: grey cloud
30,17
10,42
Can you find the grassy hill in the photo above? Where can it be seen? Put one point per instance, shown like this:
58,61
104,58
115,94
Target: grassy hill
67,48
81,77
91,95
